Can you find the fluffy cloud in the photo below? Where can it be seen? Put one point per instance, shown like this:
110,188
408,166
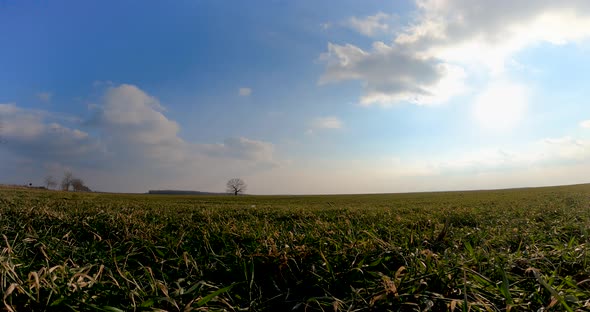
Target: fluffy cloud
370,25
35,134
244,91
427,61
489,32
130,145
137,117
328,122
392,74
585,124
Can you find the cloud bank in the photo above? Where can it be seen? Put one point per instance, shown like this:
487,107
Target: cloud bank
128,139
130,145
429,60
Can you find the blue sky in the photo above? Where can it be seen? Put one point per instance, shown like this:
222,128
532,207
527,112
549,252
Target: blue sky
295,97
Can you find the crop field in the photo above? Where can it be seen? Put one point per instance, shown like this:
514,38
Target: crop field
506,250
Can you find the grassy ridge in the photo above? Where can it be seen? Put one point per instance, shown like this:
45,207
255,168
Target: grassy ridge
522,249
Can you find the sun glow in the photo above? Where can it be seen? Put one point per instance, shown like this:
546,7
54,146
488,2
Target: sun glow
501,107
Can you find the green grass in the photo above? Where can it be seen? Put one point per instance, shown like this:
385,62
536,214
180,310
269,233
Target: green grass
522,249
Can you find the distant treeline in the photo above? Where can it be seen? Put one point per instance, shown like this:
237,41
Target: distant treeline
178,192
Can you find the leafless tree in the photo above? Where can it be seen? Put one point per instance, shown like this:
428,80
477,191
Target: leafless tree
66,181
78,185
50,182
236,186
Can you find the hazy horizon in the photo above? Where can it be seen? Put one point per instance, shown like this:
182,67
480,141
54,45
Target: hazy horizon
296,97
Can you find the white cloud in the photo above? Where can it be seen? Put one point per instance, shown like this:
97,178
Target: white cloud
329,122
429,60
324,123
44,96
585,124
244,91
501,106
130,114
370,25
489,32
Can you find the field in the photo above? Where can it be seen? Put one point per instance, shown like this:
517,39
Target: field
520,249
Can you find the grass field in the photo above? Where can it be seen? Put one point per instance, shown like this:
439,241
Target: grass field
521,249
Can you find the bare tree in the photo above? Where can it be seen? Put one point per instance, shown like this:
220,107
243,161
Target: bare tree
78,185
236,186
66,181
50,182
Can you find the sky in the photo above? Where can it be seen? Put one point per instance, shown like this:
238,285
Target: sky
296,97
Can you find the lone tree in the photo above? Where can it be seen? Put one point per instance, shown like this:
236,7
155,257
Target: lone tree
78,185
50,182
69,182
236,186
66,181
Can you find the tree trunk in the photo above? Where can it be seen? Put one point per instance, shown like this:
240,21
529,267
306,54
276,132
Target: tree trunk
236,192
